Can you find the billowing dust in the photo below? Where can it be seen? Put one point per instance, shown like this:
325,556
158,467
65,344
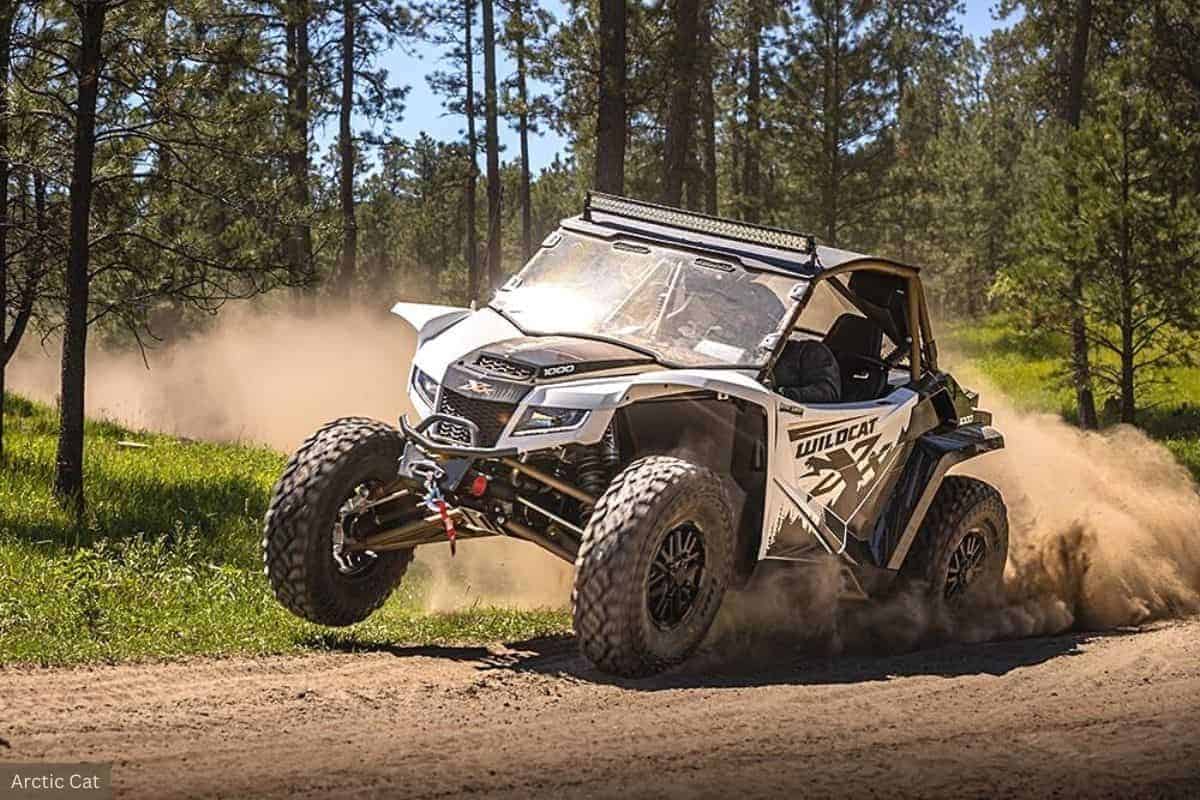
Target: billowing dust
273,377
1105,528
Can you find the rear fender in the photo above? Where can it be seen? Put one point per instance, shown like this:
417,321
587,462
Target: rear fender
934,454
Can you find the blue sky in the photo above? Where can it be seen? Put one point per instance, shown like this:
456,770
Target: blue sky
424,111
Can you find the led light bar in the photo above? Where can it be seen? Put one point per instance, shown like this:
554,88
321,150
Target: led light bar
697,223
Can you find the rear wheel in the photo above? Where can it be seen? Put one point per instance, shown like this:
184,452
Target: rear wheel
655,560
311,575
962,546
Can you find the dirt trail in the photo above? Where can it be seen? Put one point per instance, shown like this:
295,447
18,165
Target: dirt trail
1116,714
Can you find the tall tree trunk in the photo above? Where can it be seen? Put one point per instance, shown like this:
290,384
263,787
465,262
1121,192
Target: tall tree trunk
832,112
28,294
1128,354
68,473
168,319
751,153
518,12
299,60
694,183
443,262
737,133
38,257
1128,398
474,279
492,144
708,109
348,262
1072,110
611,112
680,113
7,13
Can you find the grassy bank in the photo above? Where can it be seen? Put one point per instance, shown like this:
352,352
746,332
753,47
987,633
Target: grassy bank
1023,364
166,563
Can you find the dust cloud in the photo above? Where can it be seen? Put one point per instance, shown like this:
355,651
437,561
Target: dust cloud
272,377
1107,523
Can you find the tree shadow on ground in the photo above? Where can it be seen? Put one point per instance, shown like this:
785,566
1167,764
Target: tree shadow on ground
788,665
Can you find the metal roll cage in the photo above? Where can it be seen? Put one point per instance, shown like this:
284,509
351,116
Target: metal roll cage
922,348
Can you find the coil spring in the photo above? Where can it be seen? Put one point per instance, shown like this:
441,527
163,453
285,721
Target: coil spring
597,464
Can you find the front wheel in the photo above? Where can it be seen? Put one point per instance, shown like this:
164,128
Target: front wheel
651,572
312,577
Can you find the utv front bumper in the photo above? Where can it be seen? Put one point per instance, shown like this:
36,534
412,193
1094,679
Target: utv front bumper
458,458
418,436
480,486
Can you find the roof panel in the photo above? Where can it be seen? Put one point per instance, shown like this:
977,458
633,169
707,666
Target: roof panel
754,246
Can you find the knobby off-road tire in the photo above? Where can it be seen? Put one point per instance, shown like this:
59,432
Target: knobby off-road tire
650,500
966,515
298,535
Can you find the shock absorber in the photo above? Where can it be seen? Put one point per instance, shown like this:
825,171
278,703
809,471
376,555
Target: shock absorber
597,464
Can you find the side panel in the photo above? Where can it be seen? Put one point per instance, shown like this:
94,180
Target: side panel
831,465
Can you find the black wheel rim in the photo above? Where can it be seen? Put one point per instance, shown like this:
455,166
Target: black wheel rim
675,576
966,563
352,563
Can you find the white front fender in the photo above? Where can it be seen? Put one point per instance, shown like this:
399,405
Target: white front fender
606,393
429,320
603,396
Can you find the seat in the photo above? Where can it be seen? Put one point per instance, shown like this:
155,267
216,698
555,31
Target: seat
857,343
807,372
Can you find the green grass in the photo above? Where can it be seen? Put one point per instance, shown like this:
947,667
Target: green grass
1026,366
166,562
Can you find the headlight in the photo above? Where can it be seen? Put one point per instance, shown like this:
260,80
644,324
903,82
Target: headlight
426,386
544,419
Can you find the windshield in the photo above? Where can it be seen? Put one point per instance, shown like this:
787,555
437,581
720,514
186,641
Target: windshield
685,309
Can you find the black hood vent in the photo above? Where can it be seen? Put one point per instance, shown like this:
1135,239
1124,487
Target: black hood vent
530,357
503,368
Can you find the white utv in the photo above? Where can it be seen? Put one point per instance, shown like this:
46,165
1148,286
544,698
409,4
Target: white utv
663,399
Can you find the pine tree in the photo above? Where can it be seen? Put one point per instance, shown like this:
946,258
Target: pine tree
680,121
833,114
612,115
1143,298
451,25
185,212
494,268
524,33
367,29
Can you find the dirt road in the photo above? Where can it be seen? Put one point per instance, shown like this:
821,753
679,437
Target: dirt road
1114,715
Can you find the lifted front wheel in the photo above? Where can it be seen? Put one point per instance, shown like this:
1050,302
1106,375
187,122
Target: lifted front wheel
312,575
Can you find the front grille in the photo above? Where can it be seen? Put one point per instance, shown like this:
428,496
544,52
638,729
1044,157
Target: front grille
504,368
490,416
